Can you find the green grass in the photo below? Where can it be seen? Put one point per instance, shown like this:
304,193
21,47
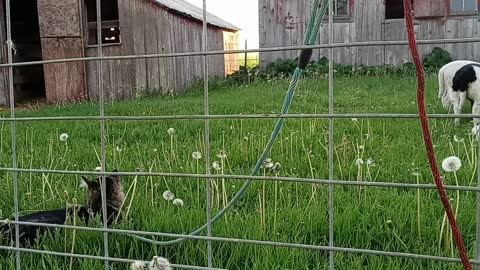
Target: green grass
286,212
252,60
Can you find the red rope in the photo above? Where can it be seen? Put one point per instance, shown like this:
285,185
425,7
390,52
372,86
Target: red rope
427,137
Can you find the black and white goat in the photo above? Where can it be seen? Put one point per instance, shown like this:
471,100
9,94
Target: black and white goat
115,196
458,81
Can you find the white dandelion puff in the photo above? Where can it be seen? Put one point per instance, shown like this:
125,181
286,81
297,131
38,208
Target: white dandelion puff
269,164
98,169
63,137
178,202
222,154
168,195
159,263
137,265
451,164
370,162
197,155
170,131
354,120
359,162
458,139
119,149
216,165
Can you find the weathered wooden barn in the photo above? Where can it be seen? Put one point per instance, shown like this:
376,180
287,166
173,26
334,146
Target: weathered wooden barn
283,22
53,29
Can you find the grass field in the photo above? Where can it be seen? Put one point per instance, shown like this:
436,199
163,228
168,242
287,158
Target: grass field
366,218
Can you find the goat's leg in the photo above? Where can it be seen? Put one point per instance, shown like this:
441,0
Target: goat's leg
458,100
476,111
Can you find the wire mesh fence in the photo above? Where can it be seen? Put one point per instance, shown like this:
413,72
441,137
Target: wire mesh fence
209,177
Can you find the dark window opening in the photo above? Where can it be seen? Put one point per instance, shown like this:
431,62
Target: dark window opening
341,8
29,81
110,25
394,9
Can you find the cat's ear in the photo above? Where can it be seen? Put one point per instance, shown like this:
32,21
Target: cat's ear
114,176
84,182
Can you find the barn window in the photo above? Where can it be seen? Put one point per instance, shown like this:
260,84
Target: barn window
110,23
394,9
463,7
341,8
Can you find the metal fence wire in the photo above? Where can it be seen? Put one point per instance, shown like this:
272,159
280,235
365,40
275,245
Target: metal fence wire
209,237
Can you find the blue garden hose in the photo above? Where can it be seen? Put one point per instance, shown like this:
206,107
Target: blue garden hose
313,27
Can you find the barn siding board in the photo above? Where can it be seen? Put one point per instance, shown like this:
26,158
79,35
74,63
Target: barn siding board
64,82
366,24
91,68
151,40
127,38
428,8
162,62
59,18
139,46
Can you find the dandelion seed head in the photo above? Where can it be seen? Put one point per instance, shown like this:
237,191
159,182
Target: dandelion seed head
245,138
137,265
269,163
359,162
354,120
216,165
197,155
370,162
451,164
98,169
159,263
178,202
155,150
458,139
168,195
119,149
170,131
63,137
222,154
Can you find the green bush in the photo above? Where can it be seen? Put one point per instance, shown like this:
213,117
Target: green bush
436,59
283,68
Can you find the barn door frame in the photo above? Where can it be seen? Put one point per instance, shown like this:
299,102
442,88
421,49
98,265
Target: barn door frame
4,98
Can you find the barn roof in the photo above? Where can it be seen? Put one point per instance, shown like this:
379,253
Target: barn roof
192,11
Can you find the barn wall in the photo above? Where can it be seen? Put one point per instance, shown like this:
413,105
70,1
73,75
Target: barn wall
147,28
283,22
